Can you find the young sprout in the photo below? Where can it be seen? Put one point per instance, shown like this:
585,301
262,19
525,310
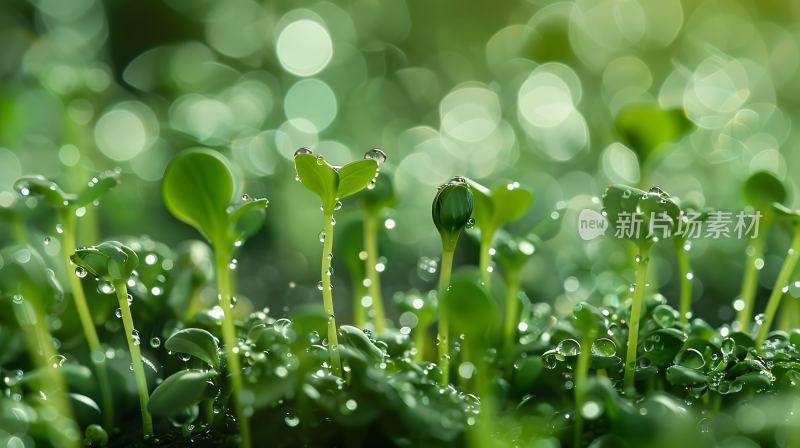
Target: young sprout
374,201
452,211
783,278
761,190
332,183
645,218
68,207
586,322
115,262
682,246
512,254
198,188
502,204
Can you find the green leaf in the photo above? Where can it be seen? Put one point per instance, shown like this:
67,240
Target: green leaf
356,176
756,380
469,308
628,201
195,342
240,209
684,376
85,408
784,211
603,362
98,435
44,189
498,206
762,189
197,188
644,128
585,317
451,210
356,339
99,262
319,177
106,182
179,391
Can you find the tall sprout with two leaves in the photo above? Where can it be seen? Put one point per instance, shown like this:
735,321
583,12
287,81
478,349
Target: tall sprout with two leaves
373,202
645,217
332,183
452,211
761,190
502,204
116,262
198,188
68,207
789,264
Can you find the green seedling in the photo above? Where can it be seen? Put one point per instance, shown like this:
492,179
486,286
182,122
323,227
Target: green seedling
761,190
198,188
783,277
68,206
644,128
493,208
452,211
116,262
682,246
512,254
352,240
374,201
657,214
178,396
32,291
332,183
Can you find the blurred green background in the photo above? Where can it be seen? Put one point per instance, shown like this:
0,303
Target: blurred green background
564,98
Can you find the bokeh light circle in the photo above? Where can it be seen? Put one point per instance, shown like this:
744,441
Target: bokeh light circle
312,100
304,48
120,135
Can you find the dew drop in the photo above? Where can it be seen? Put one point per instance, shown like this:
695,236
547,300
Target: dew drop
319,286
371,184
320,159
761,318
130,300
626,194
245,197
233,302
47,241
184,356
303,151
135,336
18,298
321,236
470,223
118,313
333,221
80,272
338,205
57,360
297,177
376,155
330,270
59,229
632,287
155,342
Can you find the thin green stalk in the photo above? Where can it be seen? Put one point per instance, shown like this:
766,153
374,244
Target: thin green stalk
229,338
37,339
89,330
636,311
686,282
787,317
486,258
581,372
371,247
327,298
185,430
777,291
444,340
359,310
136,356
750,277
419,340
511,325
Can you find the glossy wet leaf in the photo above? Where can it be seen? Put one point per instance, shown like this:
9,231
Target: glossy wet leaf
661,346
28,279
356,338
195,342
730,387
99,263
451,210
756,380
355,177
690,358
324,181
762,189
644,368
180,390
55,197
512,253
685,376
604,347
656,210
245,206
470,309
185,416
664,316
